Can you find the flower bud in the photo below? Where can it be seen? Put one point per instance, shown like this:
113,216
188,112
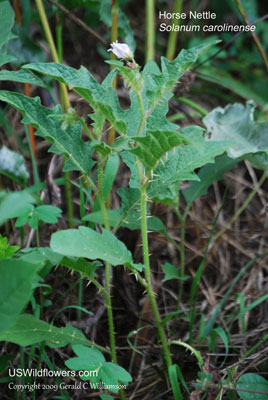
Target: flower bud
121,50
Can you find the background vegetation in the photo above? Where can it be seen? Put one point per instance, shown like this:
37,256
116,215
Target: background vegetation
195,327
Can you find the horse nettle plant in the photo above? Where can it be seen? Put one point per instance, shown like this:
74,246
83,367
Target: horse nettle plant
159,155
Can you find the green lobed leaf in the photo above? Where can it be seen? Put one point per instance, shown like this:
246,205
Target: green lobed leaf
158,117
67,142
85,242
85,268
14,203
129,159
13,163
159,84
27,210
98,124
130,221
139,267
21,76
157,114
24,215
252,382
128,214
111,373
91,360
29,330
132,116
181,165
103,98
171,272
17,277
6,22
236,122
152,148
207,175
48,213
130,200
102,148
132,77
4,59
24,48
87,359
81,81
41,255
6,250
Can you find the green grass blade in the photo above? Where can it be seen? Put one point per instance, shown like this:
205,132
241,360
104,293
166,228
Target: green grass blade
173,377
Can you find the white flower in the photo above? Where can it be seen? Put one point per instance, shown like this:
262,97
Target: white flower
121,50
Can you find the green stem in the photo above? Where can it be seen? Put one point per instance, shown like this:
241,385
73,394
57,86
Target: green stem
143,115
144,231
176,117
114,29
195,352
193,105
147,271
119,222
37,235
55,57
83,122
100,288
107,266
59,36
172,39
110,312
150,29
114,36
33,159
40,356
68,194
254,35
41,295
64,99
22,365
138,276
80,299
43,17
101,197
58,29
